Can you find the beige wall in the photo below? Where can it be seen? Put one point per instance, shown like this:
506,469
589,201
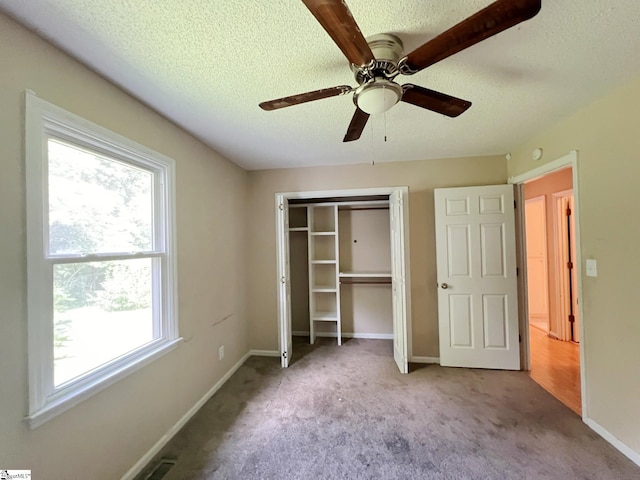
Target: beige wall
106,435
421,177
365,246
607,136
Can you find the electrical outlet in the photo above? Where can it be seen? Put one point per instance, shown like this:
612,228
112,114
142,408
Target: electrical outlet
221,352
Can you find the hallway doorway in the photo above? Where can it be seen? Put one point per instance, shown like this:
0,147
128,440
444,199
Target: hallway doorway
553,320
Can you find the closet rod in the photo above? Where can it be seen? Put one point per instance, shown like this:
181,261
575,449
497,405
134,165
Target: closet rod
365,208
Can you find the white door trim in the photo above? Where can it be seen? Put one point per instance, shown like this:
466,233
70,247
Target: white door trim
561,258
568,160
283,279
404,192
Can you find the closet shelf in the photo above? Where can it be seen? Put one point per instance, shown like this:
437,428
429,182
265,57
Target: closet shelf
323,262
325,317
322,233
299,229
324,289
364,274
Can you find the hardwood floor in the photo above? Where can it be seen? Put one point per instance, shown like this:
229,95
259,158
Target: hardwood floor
555,365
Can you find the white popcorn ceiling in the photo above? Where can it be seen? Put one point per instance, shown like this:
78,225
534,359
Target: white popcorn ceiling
206,64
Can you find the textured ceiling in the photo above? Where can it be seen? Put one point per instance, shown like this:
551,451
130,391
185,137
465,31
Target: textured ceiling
206,64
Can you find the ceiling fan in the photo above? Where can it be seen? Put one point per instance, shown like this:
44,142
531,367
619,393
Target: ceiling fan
376,61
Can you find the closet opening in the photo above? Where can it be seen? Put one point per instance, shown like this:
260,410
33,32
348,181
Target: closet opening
343,271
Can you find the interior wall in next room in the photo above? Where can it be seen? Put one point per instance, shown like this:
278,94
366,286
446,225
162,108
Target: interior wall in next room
546,186
365,247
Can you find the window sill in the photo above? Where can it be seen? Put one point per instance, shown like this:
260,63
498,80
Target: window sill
61,404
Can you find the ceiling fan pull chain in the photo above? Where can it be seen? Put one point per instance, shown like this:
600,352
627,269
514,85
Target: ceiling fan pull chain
373,160
385,121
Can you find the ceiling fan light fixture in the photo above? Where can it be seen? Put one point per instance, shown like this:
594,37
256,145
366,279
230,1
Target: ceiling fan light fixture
377,96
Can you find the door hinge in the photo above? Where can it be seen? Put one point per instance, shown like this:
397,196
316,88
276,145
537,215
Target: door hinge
284,354
517,271
281,206
572,318
568,211
519,338
515,204
283,280
569,265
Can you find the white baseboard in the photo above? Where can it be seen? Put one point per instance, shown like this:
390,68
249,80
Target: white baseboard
370,336
424,360
623,448
147,457
264,353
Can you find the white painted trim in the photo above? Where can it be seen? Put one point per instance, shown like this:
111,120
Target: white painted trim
568,160
627,451
523,283
560,233
264,353
370,336
418,359
147,457
356,192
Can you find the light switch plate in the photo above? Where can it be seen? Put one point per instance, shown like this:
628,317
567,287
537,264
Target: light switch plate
592,268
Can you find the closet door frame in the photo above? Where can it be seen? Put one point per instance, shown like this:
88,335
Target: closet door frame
282,251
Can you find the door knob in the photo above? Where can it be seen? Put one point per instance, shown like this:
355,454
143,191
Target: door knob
444,286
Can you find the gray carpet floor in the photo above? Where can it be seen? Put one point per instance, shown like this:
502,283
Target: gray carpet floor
347,413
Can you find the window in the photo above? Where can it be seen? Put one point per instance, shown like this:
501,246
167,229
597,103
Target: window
100,253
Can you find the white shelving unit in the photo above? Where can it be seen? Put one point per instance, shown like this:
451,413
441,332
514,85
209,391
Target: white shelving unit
324,291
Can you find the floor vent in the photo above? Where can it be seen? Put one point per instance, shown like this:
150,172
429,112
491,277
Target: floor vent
163,467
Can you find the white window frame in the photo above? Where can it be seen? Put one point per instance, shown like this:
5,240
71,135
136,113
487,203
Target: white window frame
44,120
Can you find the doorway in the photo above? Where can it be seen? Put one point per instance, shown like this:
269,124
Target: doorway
552,317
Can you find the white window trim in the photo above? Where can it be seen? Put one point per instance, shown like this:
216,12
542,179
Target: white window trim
43,119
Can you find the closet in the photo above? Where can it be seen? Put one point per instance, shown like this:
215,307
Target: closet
345,253
336,257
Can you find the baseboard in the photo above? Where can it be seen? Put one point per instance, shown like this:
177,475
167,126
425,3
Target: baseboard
424,360
623,448
147,457
370,336
264,353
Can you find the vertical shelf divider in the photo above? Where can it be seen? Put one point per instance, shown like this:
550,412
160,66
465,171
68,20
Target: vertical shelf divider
324,285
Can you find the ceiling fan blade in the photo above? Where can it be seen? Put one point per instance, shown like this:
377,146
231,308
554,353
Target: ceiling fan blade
358,122
489,21
305,97
336,19
434,101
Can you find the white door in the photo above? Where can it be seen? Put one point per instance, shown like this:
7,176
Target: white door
398,272
284,279
476,274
